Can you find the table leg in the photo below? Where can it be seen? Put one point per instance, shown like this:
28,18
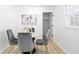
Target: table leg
34,49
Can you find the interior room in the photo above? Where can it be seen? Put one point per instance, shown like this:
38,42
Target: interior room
39,29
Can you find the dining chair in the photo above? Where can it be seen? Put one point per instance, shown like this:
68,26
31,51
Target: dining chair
12,39
25,42
45,39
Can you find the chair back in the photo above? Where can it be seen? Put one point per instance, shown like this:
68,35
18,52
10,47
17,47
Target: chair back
25,42
10,36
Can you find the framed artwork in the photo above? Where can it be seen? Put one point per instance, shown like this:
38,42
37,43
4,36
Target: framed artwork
29,19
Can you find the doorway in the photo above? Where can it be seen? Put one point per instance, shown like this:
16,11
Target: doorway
47,24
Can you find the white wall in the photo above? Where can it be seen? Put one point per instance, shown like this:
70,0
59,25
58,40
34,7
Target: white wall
7,20
68,38
35,10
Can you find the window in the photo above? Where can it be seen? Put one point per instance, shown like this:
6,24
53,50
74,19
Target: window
72,16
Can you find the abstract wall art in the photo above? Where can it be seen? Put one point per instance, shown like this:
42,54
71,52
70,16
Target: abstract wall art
28,19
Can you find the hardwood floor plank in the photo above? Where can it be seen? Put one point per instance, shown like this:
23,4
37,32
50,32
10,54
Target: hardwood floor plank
52,48
56,47
39,49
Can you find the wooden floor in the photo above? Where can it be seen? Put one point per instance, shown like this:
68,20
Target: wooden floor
51,48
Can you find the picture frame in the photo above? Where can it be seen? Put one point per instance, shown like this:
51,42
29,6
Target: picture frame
29,19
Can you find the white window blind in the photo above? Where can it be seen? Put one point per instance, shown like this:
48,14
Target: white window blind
72,15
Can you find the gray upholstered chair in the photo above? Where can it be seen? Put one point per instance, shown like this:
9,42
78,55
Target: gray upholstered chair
12,39
43,41
25,42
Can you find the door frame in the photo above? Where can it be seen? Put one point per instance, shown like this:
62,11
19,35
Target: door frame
51,19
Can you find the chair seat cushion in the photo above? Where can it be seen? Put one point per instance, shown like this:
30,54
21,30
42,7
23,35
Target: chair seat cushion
41,42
